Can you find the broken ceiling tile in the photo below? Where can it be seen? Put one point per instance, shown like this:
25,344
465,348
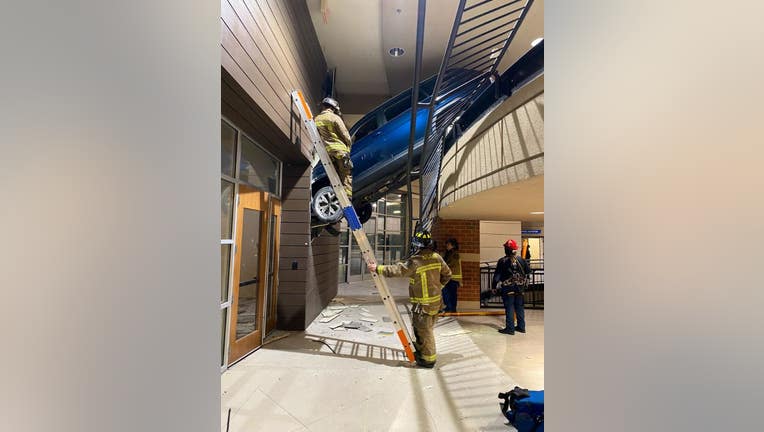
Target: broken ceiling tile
327,319
330,313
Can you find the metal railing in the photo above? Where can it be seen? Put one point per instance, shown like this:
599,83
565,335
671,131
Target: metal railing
482,32
533,294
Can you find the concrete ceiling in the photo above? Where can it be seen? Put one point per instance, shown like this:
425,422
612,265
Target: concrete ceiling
510,202
358,34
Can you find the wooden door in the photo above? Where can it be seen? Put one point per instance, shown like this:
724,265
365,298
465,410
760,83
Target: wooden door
249,273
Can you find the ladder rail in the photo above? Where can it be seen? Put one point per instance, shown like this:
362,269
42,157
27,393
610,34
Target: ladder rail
353,222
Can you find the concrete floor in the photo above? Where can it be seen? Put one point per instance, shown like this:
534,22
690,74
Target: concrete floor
327,379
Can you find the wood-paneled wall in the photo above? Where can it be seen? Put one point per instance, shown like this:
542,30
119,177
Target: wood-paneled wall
269,48
307,271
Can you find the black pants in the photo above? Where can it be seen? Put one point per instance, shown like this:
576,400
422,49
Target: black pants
449,296
514,305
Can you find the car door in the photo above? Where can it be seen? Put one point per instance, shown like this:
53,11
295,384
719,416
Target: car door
364,136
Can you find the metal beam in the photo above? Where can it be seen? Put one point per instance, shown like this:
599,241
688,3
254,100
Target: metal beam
421,10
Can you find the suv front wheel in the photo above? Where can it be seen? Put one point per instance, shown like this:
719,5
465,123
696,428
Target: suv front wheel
326,206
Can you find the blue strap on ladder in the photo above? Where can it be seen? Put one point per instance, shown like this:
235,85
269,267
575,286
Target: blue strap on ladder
352,218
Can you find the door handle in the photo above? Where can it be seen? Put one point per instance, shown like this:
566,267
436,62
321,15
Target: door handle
249,282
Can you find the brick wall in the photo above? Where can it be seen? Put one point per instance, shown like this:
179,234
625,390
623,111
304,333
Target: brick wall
467,233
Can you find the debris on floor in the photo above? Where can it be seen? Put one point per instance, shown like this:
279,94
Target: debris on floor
368,319
327,319
338,325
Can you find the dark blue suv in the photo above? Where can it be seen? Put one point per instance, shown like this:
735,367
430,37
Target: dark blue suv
381,139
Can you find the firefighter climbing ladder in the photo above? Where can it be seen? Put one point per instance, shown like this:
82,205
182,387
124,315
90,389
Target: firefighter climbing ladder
353,221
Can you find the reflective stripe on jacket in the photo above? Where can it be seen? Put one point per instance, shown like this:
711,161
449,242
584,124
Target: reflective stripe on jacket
427,273
333,131
455,264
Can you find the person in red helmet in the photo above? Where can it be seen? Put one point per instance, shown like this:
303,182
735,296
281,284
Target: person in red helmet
510,280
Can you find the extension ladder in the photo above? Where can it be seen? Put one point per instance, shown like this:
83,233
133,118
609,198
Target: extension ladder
353,221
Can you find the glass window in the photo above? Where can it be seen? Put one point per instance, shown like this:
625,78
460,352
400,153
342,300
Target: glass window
394,206
227,149
367,127
425,88
393,224
396,253
381,206
344,236
258,168
355,261
223,314
398,108
225,265
272,289
226,210
249,274
394,239
370,225
380,223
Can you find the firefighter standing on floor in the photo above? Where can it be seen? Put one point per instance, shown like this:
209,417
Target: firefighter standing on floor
509,279
427,273
455,264
335,135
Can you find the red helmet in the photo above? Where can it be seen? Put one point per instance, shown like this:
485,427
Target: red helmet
511,244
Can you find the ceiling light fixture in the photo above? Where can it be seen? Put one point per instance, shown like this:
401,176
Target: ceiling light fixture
536,41
396,52
537,213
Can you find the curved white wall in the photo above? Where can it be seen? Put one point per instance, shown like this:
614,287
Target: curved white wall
506,146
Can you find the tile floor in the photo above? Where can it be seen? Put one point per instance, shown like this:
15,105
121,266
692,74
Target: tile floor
340,379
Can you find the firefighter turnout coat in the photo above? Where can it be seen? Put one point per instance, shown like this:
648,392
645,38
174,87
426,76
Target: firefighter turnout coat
427,273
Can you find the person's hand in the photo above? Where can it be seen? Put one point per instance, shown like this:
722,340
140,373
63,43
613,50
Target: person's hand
372,267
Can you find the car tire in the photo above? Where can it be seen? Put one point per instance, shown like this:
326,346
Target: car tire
325,206
364,212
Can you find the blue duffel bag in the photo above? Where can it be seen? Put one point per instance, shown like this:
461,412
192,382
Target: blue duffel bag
524,409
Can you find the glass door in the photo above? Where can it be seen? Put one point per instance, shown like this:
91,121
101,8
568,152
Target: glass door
273,265
249,275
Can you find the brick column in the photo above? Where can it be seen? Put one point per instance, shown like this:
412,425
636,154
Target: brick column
467,233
